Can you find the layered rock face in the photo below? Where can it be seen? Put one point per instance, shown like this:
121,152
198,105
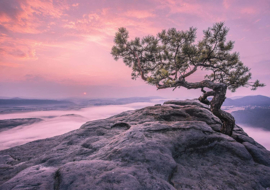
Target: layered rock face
174,146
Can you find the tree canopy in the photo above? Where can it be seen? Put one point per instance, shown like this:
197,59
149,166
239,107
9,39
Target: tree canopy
169,58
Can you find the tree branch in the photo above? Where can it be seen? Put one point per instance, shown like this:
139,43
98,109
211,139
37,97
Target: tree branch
192,85
204,99
189,73
140,67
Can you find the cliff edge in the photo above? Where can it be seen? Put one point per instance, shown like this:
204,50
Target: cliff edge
177,145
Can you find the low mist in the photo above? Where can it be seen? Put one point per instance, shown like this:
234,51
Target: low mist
58,122
260,135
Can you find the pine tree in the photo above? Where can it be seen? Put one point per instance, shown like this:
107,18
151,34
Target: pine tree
168,59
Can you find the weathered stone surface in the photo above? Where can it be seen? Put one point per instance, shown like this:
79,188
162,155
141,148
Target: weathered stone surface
194,102
174,146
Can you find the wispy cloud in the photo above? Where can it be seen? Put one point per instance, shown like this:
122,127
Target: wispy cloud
28,16
139,14
63,40
248,10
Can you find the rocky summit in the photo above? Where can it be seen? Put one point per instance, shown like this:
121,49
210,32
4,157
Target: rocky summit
177,145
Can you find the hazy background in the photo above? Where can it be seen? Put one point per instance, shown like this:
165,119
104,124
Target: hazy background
57,122
61,48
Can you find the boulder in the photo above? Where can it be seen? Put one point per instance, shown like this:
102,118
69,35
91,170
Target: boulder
171,146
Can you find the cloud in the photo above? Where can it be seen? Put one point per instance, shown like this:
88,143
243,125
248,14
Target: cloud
69,42
11,9
226,4
34,78
14,65
17,48
139,14
75,5
26,16
248,10
258,20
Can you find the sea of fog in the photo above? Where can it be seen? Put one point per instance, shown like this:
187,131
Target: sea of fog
59,122
258,134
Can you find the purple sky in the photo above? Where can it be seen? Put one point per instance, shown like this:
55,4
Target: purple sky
59,49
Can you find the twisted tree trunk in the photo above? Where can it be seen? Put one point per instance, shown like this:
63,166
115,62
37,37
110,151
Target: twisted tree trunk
219,93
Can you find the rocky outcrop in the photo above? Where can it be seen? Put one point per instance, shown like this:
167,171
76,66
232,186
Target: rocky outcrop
174,146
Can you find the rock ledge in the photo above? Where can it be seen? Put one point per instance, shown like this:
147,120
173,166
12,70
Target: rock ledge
177,145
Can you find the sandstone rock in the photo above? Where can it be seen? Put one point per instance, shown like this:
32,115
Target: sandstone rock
174,146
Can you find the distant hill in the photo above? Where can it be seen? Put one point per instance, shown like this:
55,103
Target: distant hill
25,105
257,117
258,100
120,101
24,102
11,123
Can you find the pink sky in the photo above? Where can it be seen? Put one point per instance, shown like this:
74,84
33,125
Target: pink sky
61,48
